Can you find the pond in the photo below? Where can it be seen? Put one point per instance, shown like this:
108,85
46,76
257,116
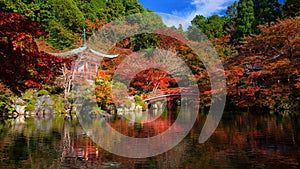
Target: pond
242,140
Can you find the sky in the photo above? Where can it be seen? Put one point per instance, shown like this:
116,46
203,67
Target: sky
186,9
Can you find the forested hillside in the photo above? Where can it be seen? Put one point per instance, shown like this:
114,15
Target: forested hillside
64,21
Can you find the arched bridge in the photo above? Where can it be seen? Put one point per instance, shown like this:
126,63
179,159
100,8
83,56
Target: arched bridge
170,94
177,95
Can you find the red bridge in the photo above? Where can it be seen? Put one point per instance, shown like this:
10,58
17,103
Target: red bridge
170,94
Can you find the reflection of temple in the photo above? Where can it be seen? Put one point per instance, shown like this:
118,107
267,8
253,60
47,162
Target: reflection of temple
77,147
80,151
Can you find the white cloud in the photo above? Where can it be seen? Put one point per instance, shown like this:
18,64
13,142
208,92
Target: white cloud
173,20
200,7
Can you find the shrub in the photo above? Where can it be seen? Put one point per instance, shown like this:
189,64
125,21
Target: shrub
43,92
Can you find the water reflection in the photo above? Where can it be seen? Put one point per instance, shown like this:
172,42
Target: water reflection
242,140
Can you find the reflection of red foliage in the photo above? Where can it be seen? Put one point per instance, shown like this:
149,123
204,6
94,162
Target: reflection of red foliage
147,129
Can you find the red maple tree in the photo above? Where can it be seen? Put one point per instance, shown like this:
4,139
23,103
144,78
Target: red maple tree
22,64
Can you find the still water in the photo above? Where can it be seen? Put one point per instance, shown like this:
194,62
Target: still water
242,140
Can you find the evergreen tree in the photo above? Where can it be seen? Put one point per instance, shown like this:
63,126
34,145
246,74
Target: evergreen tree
291,8
115,9
92,9
232,10
67,13
230,27
86,9
266,11
245,18
132,7
212,26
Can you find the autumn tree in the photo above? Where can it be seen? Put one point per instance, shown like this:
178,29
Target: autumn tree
23,65
266,72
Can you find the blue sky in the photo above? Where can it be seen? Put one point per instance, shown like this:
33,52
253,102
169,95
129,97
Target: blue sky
187,9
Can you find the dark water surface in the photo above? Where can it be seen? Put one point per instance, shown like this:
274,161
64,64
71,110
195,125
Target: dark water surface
242,140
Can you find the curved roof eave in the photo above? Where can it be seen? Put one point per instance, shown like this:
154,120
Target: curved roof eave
80,50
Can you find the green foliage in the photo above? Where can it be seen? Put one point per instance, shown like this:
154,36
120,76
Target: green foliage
132,7
165,113
212,27
266,11
97,109
43,92
6,97
128,104
139,101
115,9
29,108
29,96
92,9
37,10
144,41
60,37
58,101
291,8
232,10
245,18
67,13
62,19
65,20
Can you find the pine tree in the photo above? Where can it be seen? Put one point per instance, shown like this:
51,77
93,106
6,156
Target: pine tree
132,7
212,26
245,18
232,10
115,9
67,13
291,8
266,11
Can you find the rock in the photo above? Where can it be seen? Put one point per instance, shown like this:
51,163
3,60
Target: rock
49,110
19,106
20,120
43,105
132,107
20,109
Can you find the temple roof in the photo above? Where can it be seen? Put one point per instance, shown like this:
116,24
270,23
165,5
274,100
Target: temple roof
83,49
80,50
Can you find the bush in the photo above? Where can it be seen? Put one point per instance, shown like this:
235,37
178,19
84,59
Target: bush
43,92
128,104
139,101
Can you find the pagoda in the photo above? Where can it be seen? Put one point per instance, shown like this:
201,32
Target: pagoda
86,61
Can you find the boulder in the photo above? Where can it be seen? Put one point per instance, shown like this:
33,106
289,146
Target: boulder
19,106
43,105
